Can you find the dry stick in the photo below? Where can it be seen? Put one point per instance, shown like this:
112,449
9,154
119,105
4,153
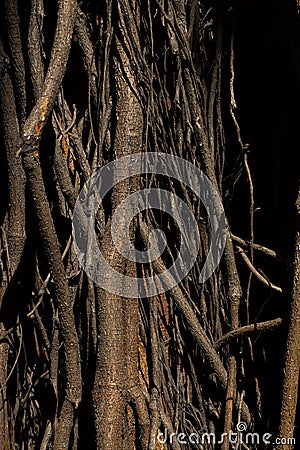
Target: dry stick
36,65
15,222
230,399
234,294
248,329
4,430
16,177
12,18
251,192
42,330
257,247
251,243
17,356
199,395
292,357
256,273
234,287
47,436
104,103
77,147
62,170
71,136
216,75
233,104
89,64
63,177
156,375
29,151
56,70
87,53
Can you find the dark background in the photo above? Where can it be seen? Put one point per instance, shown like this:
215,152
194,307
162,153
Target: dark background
267,56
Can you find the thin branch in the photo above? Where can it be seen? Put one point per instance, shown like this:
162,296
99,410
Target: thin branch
88,53
251,192
35,47
233,104
229,401
17,356
255,272
47,436
257,247
15,45
59,56
248,329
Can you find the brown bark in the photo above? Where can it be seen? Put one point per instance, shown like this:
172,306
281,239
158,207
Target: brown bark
16,178
292,357
16,54
117,381
13,230
30,157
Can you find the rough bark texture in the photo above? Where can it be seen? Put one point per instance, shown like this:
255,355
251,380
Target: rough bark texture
292,357
116,380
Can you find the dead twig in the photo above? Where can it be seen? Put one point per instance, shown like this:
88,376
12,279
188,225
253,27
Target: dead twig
268,325
251,242
257,247
256,273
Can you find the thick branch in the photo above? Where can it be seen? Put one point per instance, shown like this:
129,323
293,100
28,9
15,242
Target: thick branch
32,132
16,53
248,329
16,177
292,358
58,61
34,47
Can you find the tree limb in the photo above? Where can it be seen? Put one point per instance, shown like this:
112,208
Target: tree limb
30,147
292,357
